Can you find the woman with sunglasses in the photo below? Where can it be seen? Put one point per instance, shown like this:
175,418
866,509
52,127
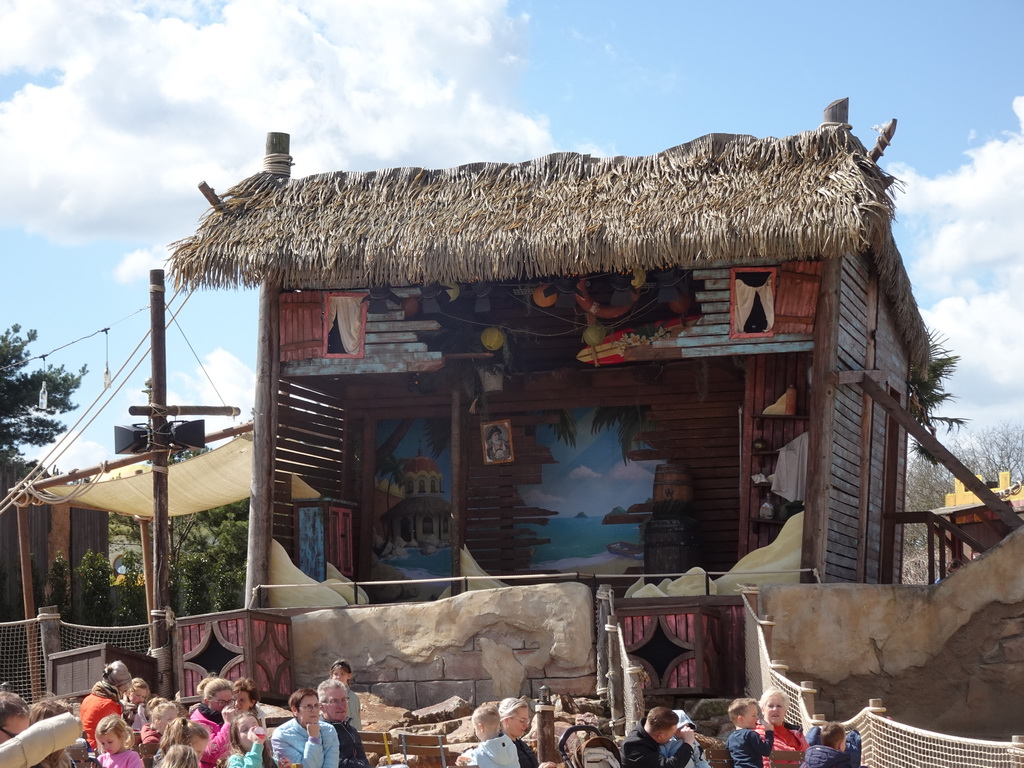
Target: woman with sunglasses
306,739
515,722
214,713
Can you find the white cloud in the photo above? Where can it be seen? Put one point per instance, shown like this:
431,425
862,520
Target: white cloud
135,266
966,259
226,381
126,110
537,498
583,473
70,452
966,225
631,471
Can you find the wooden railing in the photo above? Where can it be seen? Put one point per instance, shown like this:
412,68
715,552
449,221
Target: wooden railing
946,541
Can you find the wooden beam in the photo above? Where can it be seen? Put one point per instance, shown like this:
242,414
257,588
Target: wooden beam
941,454
458,529
157,422
261,501
822,427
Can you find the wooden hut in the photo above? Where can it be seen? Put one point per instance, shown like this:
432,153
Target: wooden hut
715,280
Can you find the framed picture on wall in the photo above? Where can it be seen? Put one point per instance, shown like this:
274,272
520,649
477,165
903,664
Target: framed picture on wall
496,442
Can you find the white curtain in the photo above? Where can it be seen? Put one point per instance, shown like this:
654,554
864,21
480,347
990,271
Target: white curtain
745,295
348,312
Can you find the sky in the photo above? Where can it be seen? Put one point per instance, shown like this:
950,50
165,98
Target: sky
113,111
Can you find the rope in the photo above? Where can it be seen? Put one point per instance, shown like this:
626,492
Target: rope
58,449
278,164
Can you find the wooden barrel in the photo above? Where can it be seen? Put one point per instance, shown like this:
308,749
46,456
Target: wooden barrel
671,545
672,482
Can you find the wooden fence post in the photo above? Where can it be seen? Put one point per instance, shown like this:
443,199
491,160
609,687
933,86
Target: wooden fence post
615,694
547,750
1017,752
604,593
807,691
49,639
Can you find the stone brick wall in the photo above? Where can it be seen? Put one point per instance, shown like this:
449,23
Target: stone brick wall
480,645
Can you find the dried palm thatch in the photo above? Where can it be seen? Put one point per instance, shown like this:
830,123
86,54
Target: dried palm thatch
718,199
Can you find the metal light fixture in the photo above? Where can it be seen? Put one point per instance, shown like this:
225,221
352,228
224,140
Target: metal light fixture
622,290
428,298
378,298
668,284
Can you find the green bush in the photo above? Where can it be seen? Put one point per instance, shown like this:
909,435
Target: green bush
131,588
96,608
58,585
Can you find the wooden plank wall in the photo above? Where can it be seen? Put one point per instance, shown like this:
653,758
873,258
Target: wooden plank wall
696,405
310,443
890,355
842,545
866,339
768,377
88,530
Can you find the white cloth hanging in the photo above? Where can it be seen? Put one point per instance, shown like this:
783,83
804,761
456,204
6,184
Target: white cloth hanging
791,470
347,311
745,295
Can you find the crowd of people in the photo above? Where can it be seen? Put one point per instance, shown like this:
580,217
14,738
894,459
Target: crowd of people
666,738
227,728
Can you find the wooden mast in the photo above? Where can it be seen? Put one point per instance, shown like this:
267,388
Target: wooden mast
159,443
268,370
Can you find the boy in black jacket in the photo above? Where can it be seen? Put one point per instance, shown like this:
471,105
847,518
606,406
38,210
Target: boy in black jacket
640,749
746,747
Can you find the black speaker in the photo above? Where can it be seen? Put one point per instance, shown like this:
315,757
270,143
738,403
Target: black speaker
133,439
188,434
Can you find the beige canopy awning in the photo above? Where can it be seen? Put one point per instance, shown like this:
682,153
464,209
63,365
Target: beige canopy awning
203,482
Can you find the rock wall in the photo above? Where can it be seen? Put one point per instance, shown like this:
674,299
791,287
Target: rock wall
480,645
946,657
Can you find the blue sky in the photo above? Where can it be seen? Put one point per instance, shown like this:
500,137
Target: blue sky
112,112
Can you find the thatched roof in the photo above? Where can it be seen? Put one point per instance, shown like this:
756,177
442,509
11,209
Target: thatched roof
718,199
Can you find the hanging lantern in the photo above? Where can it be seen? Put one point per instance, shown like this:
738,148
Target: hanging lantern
594,334
639,278
492,338
541,298
453,290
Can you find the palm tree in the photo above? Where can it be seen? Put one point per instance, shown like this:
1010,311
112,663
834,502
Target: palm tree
927,390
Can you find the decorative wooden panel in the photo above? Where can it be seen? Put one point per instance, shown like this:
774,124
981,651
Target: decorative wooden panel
236,644
687,646
302,325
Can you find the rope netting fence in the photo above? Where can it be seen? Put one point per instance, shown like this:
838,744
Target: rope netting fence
23,659
21,656
134,638
886,742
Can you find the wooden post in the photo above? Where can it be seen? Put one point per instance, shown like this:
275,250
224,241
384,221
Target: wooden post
458,490
29,602
1017,752
159,441
261,499
547,750
807,691
367,483
147,576
615,663
49,638
767,629
604,596
820,451
837,112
